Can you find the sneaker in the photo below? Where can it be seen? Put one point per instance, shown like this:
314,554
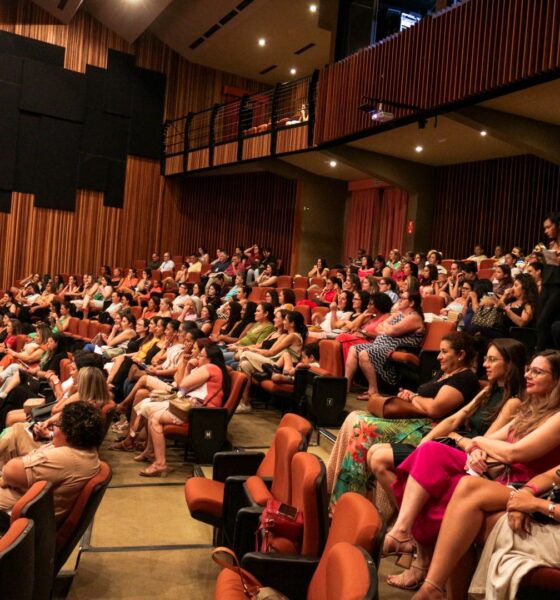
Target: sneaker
243,408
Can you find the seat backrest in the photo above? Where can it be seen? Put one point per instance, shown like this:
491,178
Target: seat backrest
266,468
238,383
287,442
432,304
17,560
320,310
108,412
284,281
331,359
309,495
76,522
348,573
21,340
305,311
136,311
64,367
93,329
218,324
447,262
104,328
317,281
301,282
300,294
258,293
38,504
435,331
73,325
487,263
193,277
83,328
486,274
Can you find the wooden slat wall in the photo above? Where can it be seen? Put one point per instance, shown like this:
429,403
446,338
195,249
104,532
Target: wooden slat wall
240,209
501,201
474,47
151,218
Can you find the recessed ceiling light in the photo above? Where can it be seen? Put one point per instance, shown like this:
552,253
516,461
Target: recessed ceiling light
262,42
293,71
419,148
332,163
484,133
312,8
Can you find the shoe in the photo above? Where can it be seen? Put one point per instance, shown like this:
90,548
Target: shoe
417,579
126,445
365,396
144,458
243,408
152,471
261,376
402,549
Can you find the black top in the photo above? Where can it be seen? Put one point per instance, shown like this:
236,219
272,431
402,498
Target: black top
481,419
465,382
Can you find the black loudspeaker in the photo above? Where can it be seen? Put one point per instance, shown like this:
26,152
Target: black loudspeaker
207,433
326,398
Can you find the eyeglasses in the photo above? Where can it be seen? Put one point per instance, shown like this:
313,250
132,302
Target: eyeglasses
536,372
492,359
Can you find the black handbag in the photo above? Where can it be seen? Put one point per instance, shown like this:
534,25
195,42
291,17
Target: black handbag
490,317
553,496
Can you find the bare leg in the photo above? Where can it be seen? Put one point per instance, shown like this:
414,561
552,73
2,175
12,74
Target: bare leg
414,499
473,498
15,416
246,367
351,366
381,464
117,362
368,371
137,386
10,384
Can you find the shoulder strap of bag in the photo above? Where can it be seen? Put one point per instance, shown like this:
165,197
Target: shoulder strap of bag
251,585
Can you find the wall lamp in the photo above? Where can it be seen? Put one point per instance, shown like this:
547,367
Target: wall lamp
375,108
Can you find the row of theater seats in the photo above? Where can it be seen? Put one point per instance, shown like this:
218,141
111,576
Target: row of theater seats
33,548
334,562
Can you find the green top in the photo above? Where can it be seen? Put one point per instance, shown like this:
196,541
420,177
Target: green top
481,419
62,320
256,334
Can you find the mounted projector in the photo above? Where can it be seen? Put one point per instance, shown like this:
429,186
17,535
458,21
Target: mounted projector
374,108
381,116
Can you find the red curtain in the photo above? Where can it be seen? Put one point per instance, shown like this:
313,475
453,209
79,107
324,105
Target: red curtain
359,228
375,220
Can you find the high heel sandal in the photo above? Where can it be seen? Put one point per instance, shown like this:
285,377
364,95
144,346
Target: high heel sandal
435,586
126,445
403,551
144,458
152,471
364,396
415,584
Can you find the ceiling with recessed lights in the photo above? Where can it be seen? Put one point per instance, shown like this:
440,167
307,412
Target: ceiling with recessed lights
225,34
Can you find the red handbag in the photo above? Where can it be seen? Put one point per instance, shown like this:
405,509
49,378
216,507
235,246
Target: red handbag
280,529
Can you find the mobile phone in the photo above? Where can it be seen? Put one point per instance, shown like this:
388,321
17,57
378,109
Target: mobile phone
490,294
287,511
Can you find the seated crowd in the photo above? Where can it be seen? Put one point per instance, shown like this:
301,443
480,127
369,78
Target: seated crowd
477,438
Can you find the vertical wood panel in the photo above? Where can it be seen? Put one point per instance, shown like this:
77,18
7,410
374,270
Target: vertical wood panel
500,201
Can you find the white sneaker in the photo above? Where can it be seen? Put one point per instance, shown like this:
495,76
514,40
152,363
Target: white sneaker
243,408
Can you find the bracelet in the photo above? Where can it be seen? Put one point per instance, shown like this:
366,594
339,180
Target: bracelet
531,487
551,508
462,437
412,397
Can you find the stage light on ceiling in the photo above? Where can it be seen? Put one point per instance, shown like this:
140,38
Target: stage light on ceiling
332,163
293,71
313,8
419,149
484,133
262,42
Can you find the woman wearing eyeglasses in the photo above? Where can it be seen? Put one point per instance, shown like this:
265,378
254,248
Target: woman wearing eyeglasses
488,412
433,478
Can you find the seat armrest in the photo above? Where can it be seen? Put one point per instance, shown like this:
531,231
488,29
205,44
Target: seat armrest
5,522
290,574
227,464
405,357
246,526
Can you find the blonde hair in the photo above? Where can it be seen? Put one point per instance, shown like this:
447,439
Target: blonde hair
537,409
92,386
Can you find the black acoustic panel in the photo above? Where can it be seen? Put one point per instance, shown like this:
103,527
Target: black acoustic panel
105,134
92,174
10,68
95,86
9,100
18,45
116,177
53,91
5,201
147,114
27,144
56,165
119,83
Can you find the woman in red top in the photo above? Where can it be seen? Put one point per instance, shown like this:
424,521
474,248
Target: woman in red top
13,329
206,385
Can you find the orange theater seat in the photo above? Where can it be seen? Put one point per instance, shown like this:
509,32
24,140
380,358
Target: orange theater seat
284,281
433,304
305,311
17,560
206,497
486,274
301,282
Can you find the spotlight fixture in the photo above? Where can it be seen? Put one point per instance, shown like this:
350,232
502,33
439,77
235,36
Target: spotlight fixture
332,163
484,133
419,149
313,8
262,42
293,71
